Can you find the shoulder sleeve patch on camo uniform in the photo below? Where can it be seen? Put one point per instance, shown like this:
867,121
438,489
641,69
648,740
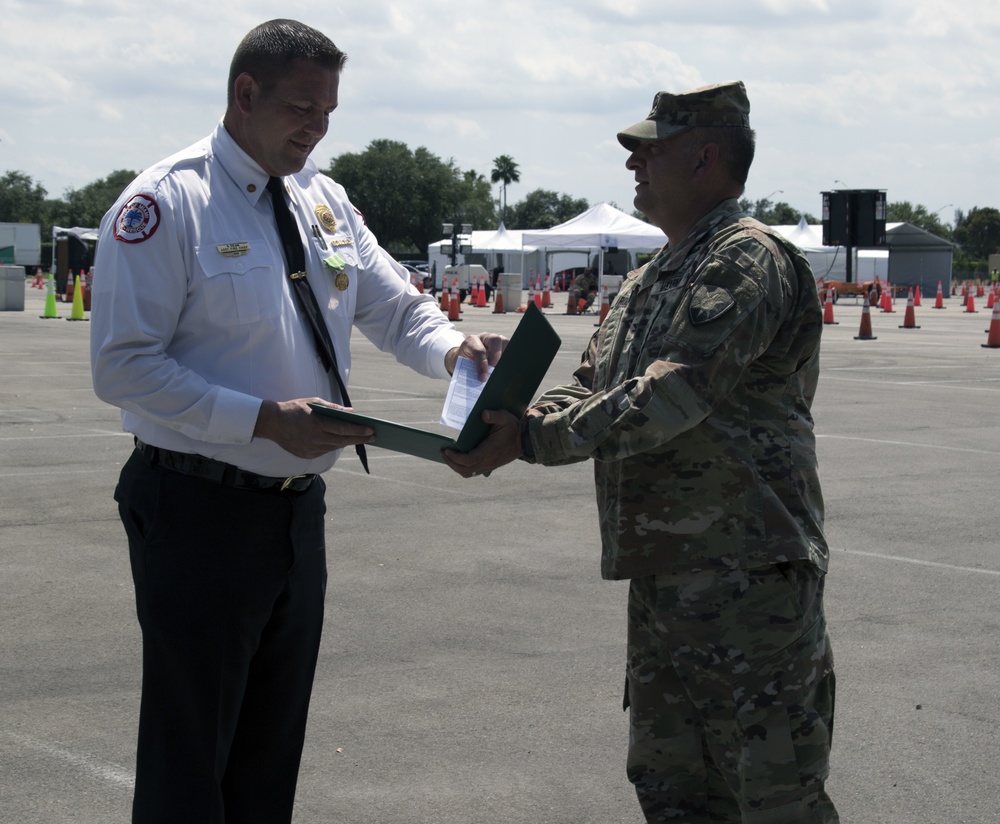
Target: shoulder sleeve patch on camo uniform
709,302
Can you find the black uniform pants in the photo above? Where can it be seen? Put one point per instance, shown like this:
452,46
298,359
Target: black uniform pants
229,589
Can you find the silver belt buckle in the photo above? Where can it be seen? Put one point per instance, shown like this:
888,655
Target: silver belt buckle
288,481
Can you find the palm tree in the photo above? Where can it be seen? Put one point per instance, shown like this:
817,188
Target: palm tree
504,171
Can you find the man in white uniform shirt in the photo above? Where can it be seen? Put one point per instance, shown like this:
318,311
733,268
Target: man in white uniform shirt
199,336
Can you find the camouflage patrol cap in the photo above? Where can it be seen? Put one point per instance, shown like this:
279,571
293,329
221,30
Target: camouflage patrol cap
723,104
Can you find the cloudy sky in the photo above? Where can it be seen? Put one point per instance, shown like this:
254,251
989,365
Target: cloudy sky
899,95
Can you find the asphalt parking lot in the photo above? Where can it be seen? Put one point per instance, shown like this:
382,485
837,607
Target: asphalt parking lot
472,666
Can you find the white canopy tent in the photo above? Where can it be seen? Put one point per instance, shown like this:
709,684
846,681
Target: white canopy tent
601,227
491,245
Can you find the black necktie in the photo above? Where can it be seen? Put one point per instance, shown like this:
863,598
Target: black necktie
296,260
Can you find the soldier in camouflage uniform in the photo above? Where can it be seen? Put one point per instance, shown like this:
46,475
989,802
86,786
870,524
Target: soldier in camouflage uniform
693,400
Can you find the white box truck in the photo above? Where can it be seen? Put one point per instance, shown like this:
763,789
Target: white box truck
21,244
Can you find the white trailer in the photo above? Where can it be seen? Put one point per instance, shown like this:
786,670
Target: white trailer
21,244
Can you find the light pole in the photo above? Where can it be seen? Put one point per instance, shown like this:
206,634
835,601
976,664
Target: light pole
456,245
775,192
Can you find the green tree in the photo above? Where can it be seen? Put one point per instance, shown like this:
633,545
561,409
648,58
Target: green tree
543,208
406,195
978,233
21,199
86,206
905,212
505,172
774,214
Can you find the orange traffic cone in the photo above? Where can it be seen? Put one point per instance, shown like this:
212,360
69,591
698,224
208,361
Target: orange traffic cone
455,304
970,302
828,308
887,299
445,297
481,300
939,300
605,305
991,298
546,294
980,289
916,295
993,341
498,307
910,318
865,332
570,302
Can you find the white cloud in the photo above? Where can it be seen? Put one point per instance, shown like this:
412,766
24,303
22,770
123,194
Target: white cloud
885,93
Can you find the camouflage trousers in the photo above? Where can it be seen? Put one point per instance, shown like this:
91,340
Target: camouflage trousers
730,685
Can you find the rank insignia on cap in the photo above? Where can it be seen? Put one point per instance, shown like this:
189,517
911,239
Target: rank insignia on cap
138,219
325,217
233,249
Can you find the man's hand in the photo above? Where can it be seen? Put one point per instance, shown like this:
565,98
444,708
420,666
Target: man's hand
501,446
485,349
306,434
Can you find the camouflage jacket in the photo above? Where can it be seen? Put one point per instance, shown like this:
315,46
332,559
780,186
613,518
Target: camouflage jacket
693,399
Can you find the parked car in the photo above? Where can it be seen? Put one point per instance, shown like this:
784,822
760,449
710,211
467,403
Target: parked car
419,265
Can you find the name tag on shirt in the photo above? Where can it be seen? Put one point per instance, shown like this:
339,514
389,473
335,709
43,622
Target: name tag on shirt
233,249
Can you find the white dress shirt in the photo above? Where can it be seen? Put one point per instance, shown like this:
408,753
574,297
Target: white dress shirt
194,322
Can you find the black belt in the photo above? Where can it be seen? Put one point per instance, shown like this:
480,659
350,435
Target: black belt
198,466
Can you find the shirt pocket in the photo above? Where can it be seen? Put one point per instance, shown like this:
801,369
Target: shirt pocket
243,288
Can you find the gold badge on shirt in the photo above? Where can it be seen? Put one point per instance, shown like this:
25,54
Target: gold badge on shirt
325,217
342,281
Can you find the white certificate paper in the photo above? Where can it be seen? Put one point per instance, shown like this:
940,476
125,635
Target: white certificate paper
463,392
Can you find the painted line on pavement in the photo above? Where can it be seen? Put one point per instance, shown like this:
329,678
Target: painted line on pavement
936,564
909,443
96,768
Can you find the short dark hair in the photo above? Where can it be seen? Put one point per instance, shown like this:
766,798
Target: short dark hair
736,148
266,52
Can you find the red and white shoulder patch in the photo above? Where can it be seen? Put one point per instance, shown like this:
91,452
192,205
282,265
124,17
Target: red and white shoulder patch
138,219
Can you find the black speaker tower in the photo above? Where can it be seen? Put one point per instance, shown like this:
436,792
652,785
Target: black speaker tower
854,218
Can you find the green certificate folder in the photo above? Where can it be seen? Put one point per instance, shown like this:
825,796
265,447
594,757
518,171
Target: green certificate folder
512,386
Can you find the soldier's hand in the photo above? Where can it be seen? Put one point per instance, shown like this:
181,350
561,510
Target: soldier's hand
501,446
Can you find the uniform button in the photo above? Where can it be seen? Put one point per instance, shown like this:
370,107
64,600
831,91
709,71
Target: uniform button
252,188
239,267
